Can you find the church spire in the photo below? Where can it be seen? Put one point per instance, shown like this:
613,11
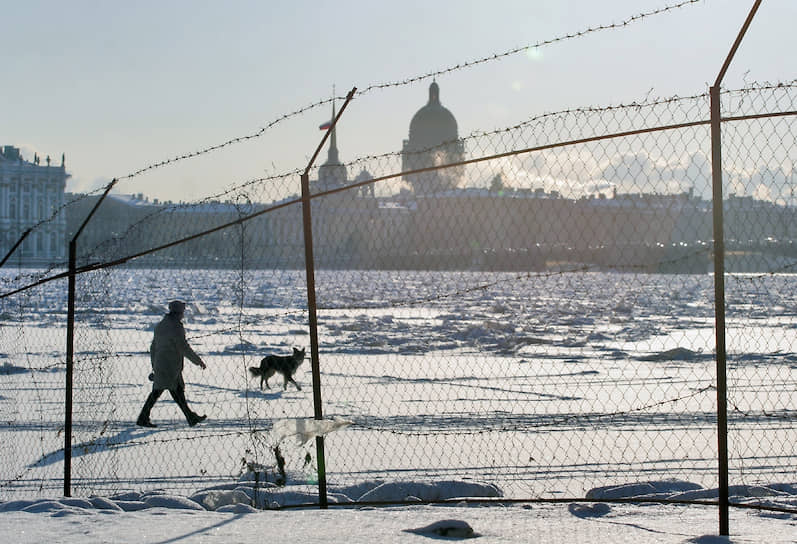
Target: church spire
332,174
332,154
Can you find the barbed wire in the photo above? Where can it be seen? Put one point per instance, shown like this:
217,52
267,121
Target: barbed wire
785,268
646,103
555,421
19,477
254,429
751,87
165,210
322,194
410,80
476,134
78,198
628,21
632,106
511,52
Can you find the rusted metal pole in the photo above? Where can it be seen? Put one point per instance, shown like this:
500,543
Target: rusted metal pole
309,262
70,344
719,281
70,365
719,312
313,319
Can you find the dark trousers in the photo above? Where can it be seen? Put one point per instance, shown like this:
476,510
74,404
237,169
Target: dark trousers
177,394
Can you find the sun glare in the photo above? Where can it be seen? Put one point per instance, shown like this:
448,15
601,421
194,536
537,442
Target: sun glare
534,53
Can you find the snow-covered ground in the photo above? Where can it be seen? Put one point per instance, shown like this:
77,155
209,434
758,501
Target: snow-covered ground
434,386
160,519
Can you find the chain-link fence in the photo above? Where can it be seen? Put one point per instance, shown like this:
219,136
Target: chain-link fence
531,309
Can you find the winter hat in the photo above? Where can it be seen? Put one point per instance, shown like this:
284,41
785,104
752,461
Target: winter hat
177,307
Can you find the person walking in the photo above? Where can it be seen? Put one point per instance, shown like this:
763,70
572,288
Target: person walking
167,351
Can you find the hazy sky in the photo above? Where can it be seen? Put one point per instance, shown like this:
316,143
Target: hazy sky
117,86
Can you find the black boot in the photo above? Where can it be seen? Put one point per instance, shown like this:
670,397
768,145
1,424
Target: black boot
196,418
179,397
141,422
143,417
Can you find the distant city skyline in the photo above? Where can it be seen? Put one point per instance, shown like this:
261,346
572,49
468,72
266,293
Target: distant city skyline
118,87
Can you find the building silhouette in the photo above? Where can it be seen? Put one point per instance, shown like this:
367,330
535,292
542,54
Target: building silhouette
32,194
439,224
433,141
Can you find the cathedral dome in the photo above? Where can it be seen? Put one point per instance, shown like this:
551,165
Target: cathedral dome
433,124
433,142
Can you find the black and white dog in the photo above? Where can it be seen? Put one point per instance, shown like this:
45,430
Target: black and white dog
284,364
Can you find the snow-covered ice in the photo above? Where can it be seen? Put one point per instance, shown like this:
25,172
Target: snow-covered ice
435,386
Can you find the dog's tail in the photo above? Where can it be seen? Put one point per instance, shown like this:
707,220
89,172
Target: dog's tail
254,371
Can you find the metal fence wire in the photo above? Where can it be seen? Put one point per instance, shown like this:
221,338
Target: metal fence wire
530,308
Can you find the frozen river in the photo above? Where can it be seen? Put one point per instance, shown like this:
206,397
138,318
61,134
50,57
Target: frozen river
542,385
